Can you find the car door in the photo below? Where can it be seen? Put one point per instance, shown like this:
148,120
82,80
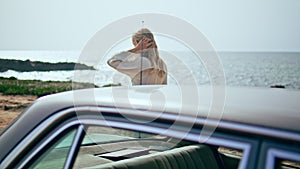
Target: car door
62,140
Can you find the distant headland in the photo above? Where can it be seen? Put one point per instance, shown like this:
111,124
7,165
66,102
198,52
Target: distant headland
27,66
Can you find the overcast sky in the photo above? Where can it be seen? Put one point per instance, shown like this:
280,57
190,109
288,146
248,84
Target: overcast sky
234,25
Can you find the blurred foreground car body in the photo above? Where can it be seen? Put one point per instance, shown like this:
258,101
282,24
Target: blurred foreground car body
156,127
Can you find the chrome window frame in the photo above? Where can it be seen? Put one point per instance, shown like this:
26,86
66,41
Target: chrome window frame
248,146
215,141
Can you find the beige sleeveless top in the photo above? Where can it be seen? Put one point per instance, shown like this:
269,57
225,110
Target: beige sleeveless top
146,70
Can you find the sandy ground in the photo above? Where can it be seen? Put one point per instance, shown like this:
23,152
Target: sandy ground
12,106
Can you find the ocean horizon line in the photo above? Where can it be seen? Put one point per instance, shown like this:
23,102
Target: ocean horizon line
79,51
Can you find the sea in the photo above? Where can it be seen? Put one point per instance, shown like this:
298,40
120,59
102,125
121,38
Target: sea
251,69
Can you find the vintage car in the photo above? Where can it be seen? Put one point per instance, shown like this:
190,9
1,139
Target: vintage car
156,127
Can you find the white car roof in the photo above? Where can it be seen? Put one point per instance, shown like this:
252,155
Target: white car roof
271,107
269,112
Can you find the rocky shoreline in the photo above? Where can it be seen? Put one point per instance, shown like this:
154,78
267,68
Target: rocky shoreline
27,65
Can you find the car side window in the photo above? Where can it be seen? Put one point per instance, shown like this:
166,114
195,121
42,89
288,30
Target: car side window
109,147
55,155
283,159
231,157
106,144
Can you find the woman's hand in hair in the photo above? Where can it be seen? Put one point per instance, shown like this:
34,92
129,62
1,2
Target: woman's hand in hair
145,43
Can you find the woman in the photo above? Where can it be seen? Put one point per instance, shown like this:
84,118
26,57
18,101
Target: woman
142,63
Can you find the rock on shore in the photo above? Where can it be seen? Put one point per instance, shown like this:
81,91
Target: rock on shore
26,66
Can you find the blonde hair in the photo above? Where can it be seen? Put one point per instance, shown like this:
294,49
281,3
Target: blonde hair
140,34
144,32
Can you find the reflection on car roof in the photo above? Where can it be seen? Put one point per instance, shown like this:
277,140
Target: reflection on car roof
278,108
